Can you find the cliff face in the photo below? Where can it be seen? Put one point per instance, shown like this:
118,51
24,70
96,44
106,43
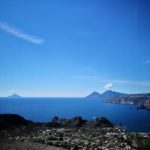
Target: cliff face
141,100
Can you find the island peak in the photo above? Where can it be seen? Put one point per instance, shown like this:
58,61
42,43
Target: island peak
14,96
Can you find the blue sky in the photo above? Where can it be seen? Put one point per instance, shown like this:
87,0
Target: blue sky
74,47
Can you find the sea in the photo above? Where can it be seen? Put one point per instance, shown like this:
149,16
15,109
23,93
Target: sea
44,109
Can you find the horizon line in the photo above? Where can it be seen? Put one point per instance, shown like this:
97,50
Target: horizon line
19,96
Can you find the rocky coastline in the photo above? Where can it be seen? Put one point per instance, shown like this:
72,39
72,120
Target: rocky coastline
141,100
75,133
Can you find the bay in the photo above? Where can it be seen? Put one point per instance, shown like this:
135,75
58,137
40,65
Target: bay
44,109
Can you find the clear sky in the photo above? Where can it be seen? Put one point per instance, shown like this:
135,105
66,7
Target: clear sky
74,47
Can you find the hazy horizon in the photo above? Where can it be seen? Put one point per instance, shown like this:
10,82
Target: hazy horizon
72,48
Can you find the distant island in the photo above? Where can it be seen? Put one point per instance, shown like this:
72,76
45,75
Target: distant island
14,96
106,95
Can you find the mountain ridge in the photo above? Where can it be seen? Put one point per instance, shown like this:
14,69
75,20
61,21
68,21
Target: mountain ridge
105,95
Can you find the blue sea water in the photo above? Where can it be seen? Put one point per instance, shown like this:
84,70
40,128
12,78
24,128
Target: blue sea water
44,109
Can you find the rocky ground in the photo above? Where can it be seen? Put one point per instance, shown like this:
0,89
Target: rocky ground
71,134
7,144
